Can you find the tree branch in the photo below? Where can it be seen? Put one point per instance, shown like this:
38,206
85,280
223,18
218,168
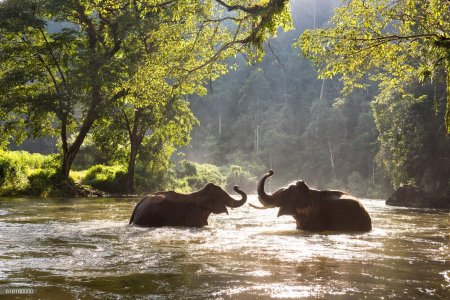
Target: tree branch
55,61
127,122
250,10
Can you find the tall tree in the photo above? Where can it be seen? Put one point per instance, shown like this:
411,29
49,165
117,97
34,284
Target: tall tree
137,129
72,75
393,42
414,146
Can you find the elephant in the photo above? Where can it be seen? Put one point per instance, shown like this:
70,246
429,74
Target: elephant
170,208
316,210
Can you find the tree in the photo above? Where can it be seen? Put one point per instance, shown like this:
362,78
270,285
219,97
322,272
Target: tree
136,129
414,146
69,77
322,141
394,42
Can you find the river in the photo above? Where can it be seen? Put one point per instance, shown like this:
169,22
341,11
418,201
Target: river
85,249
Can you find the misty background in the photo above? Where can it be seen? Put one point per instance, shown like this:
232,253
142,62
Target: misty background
276,114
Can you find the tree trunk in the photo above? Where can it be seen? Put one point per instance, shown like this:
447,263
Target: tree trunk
69,153
373,170
136,134
68,159
321,90
332,159
129,177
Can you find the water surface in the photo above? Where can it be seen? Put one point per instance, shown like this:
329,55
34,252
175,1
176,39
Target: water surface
85,249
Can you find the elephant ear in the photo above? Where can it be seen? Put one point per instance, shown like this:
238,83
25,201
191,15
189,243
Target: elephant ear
295,195
214,205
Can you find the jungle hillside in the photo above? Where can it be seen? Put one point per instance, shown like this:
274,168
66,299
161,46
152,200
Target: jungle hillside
131,97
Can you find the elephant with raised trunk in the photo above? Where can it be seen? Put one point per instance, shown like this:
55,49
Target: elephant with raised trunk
190,210
316,210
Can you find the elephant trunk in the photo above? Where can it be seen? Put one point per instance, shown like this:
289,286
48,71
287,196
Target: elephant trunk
237,203
266,200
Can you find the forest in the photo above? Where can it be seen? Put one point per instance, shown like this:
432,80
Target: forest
224,149
123,98
278,115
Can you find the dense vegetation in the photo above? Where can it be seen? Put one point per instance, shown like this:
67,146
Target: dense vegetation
277,114
403,46
375,119
121,67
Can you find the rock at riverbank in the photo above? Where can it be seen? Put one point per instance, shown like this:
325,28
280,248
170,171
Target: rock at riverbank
410,196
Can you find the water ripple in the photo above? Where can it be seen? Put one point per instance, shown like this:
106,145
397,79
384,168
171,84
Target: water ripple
85,248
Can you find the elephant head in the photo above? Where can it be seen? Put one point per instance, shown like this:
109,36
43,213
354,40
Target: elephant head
289,199
214,199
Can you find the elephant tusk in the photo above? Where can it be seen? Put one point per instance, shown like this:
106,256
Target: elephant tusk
258,207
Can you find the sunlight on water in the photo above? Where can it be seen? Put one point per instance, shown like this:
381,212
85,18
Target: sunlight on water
84,248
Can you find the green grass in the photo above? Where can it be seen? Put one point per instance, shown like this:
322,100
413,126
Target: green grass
105,178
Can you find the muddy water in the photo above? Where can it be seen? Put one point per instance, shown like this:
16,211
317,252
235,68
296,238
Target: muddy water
85,249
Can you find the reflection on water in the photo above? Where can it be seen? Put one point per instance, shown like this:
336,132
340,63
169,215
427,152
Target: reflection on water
84,249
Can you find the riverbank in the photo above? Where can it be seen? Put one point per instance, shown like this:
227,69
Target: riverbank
25,174
411,196
36,175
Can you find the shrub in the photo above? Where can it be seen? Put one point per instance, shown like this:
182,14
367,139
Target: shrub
191,176
106,178
151,178
13,175
187,169
43,182
16,167
206,173
244,179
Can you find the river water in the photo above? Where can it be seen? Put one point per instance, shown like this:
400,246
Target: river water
85,249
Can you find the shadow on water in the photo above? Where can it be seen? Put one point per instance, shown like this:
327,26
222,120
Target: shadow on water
85,249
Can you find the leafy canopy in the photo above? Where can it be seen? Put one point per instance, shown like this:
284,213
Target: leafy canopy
388,41
63,63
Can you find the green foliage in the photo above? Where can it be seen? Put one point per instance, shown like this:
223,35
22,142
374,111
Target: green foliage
90,154
147,134
43,183
13,174
391,42
191,176
153,167
105,178
186,169
277,115
414,146
205,173
133,55
242,178
196,176
25,173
